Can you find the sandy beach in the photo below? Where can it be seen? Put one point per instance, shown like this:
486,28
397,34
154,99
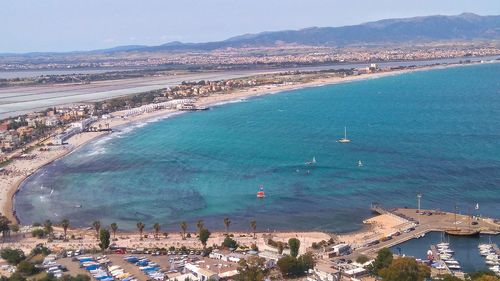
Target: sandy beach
19,169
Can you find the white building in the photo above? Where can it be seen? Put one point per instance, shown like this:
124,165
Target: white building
62,137
201,273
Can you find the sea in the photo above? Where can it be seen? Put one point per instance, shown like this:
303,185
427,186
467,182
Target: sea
434,132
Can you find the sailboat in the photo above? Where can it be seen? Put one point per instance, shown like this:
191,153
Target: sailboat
461,231
313,161
344,139
360,164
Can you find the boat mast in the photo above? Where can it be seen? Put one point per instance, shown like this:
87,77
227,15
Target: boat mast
345,132
456,210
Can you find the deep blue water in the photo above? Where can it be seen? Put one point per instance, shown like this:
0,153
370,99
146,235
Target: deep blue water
436,132
466,251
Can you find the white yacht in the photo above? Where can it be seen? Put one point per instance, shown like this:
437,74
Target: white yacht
344,139
454,267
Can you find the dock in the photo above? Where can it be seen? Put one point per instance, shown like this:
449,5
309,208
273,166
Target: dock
420,223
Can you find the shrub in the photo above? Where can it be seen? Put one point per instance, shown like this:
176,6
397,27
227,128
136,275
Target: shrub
40,233
362,259
229,243
12,256
40,250
26,268
294,244
295,267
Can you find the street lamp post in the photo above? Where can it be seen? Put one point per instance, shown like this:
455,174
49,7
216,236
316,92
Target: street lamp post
419,196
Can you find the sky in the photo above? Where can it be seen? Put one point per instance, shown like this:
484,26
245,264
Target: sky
71,25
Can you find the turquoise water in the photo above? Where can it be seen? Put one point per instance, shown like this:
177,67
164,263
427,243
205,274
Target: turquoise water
435,132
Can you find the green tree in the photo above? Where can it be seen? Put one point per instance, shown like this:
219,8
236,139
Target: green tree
487,278
14,227
47,225
157,228
16,276
253,225
200,224
405,269
227,223
65,226
446,277
12,256
229,243
140,227
288,266
104,239
97,227
251,269
26,268
383,260
295,267
79,277
306,261
480,274
184,227
204,235
114,229
38,232
362,259
294,245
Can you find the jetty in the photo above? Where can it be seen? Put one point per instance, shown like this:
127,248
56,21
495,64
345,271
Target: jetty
417,223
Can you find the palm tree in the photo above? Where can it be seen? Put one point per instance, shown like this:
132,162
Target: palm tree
114,228
156,227
184,227
227,222
97,226
200,224
140,226
253,225
65,225
48,227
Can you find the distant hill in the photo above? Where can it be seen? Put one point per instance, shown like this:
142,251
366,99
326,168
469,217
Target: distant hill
431,28
466,26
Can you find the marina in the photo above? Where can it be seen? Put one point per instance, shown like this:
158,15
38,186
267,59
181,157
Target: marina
465,249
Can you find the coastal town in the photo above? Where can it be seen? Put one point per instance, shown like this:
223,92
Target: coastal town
251,57
250,140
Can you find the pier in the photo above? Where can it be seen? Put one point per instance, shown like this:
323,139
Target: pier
418,223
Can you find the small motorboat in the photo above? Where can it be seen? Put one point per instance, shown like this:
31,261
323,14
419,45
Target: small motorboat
260,193
312,162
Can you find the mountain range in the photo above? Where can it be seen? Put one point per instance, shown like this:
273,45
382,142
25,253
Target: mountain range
466,26
463,27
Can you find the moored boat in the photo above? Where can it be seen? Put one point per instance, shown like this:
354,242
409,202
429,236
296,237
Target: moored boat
344,139
260,193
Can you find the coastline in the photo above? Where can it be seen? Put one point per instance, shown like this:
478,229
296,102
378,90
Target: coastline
11,187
